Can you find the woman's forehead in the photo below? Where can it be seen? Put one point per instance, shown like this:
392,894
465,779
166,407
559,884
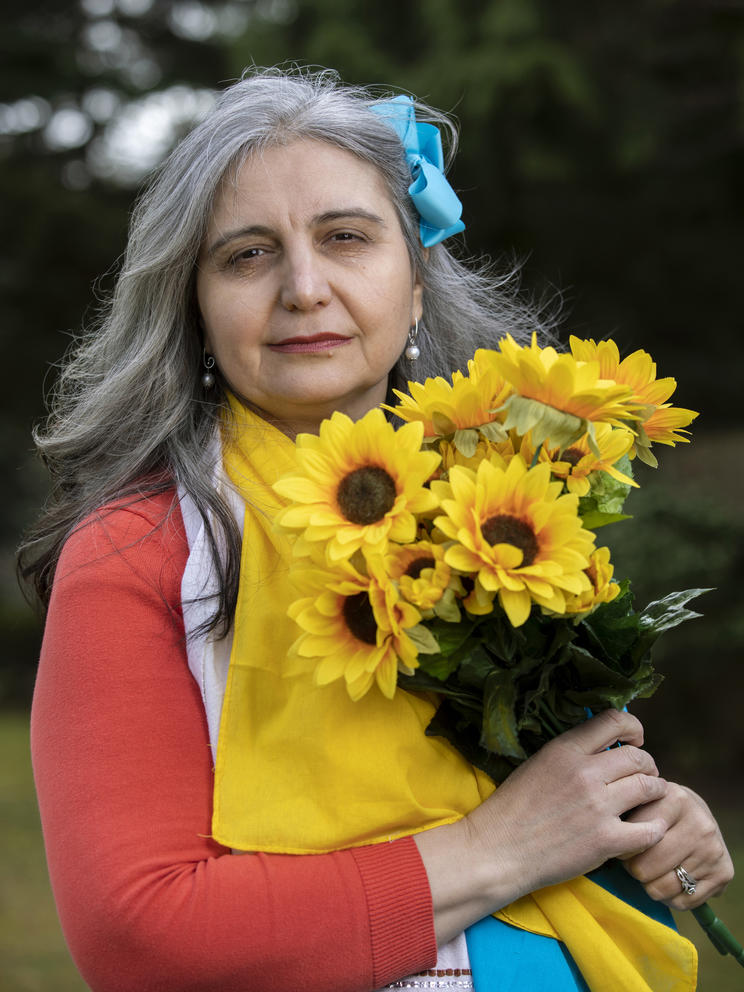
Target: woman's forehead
302,177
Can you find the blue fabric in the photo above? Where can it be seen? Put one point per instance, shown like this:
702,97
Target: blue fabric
506,959
433,197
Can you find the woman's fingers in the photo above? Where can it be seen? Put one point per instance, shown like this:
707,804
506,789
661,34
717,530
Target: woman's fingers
562,810
631,791
604,730
692,841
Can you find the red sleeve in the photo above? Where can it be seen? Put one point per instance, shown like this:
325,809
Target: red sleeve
124,778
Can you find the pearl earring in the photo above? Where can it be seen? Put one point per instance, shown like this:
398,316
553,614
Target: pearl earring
207,379
413,351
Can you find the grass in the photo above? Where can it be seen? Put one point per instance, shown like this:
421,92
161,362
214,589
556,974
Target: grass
33,955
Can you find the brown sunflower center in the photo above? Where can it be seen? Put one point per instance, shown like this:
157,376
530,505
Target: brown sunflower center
366,494
418,565
571,455
507,529
360,619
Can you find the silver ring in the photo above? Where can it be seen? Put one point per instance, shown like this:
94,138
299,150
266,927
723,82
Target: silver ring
688,883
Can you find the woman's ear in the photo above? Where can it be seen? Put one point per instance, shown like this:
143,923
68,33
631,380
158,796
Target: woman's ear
204,333
418,289
417,310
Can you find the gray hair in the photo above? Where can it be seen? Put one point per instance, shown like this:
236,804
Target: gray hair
129,414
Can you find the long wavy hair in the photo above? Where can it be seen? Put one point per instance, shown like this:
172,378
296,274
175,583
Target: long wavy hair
129,415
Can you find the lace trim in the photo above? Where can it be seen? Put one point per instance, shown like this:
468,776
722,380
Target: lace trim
442,980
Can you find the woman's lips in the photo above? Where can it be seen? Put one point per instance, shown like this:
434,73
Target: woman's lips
314,342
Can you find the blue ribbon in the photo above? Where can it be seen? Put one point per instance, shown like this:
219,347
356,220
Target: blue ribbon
433,197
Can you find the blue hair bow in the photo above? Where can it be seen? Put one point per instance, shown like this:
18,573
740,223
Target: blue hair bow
433,197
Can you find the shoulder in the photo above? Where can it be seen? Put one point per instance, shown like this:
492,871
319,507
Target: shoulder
141,535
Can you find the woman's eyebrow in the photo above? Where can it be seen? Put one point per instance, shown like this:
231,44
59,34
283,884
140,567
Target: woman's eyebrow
350,212
238,232
326,217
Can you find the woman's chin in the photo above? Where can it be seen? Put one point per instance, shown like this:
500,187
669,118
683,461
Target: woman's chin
310,408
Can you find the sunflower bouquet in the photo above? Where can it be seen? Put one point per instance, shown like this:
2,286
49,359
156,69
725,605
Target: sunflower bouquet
458,554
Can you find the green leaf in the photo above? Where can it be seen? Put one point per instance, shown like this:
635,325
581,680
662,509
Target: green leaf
664,614
608,493
613,628
466,442
591,437
493,431
452,636
438,666
424,640
646,456
464,735
475,667
447,607
502,640
499,732
649,686
592,519
546,422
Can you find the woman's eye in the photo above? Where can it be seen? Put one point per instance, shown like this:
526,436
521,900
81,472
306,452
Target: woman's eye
347,237
246,255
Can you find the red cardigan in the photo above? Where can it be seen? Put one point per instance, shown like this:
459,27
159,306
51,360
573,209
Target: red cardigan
124,777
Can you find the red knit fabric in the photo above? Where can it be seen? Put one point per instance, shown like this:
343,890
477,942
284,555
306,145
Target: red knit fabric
124,778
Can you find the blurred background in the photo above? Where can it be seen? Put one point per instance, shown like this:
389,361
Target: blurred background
602,146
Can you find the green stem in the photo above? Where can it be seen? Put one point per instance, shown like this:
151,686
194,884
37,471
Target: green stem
536,456
720,935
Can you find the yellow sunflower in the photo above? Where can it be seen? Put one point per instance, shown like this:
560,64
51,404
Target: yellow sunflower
466,403
576,464
354,627
420,571
602,590
559,397
659,421
499,452
359,484
516,535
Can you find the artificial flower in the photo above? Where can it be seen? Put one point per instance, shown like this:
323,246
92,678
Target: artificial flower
467,403
500,451
602,590
360,483
658,420
354,627
577,464
558,397
420,571
515,532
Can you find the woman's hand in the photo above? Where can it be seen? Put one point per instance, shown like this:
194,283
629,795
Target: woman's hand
559,815
692,840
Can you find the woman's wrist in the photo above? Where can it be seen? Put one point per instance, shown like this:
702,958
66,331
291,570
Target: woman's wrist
468,878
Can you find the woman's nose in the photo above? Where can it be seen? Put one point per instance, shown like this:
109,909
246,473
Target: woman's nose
305,282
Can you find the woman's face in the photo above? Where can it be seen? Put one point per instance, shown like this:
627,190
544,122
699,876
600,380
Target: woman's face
305,286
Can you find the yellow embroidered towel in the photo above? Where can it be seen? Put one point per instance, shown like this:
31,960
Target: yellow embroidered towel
301,769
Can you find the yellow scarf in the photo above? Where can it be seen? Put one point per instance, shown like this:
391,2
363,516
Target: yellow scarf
301,769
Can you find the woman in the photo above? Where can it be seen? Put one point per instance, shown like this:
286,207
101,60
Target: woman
278,270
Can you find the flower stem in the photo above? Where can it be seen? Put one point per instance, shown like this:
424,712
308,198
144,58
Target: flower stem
720,935
536,456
